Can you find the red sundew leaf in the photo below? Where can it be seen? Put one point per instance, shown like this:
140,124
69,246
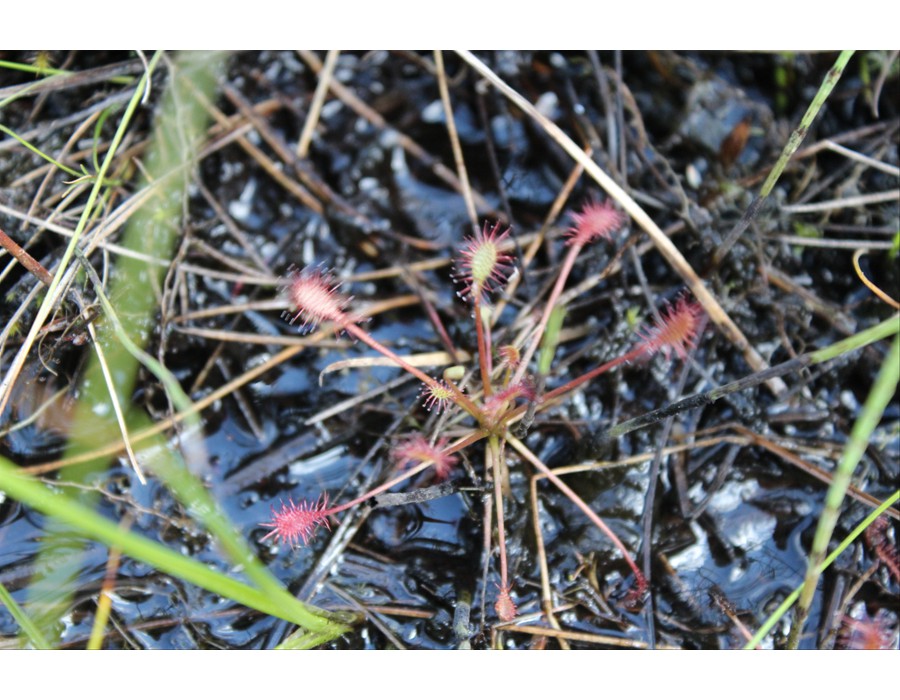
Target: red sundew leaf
297,522
867,632
417,449
510,356
496,402
314,296
677,331
504,605
595,220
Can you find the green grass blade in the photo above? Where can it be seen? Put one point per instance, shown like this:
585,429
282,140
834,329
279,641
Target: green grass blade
38,152
177,133
51,298
812,111
880,331
29,68
793,143
187,488
788,602
31,630
202,506
551,339
84,520
50,592
877,401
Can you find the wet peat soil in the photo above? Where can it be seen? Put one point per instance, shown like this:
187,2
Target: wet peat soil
691,137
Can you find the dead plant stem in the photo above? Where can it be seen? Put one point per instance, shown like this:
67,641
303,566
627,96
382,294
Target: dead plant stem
662,242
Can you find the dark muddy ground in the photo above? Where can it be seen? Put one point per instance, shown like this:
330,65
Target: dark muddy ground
691,137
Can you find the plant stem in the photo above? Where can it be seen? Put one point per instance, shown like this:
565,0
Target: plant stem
789,149
494,454
633,354
582,506
484,357
25,259
829,560
662,242
873,409
34,149
458,397
422,466
564,271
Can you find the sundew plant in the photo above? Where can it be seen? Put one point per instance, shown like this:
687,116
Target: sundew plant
162,432
499,404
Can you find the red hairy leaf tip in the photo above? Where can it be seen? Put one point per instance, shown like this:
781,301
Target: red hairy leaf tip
437,395
314,296
677,331
417,449
595,220
504,605
296,522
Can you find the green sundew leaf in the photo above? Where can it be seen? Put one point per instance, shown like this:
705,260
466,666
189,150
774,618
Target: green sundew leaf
551,338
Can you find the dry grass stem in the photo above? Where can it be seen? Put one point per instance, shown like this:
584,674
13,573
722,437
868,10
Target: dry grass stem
362,109
845,203
872,287
663,243
315,107
116,405
462,174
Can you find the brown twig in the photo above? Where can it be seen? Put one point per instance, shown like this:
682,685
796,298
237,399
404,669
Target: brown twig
315,107
546,593
461,171
28,262
347,96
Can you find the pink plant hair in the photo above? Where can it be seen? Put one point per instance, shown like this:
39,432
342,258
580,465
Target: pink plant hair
482,266
294,523
677,331
315,298
510,356
504,605
595,220
297,522
314,294
417,449
437,395
496,405
867,632
878,541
